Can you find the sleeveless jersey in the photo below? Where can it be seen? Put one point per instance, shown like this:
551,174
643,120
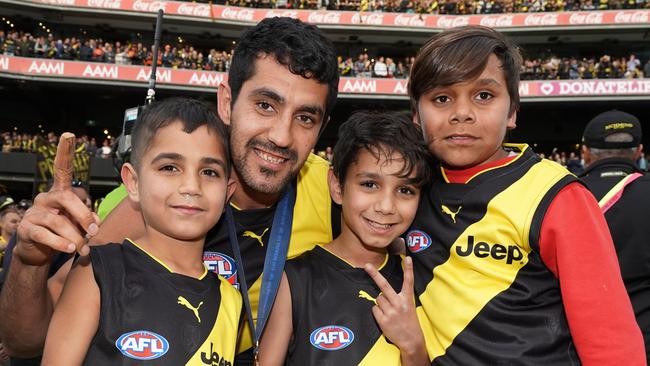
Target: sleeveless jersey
312,224
150,313
485,296
332,315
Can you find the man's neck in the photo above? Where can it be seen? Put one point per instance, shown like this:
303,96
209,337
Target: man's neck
246,198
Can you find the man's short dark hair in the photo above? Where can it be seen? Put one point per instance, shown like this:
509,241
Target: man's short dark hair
461,54
382,134
191,113
301,47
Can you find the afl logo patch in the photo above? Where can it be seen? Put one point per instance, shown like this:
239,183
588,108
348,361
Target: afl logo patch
142,345
417,241
222,265
331,337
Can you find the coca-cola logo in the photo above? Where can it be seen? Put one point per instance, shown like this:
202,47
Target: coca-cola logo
586,18
59,2
194,10
107,4
497,21
149,6
370,19
281,13
408,20
452,21
237,14
541,19
631,17
328,17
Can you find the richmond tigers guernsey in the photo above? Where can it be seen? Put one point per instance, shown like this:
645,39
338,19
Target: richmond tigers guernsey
497,272
150,313
312,225
332,315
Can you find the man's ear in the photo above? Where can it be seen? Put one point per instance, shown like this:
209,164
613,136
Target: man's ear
224,100
639,152
130,179
512,121
586,155
336,191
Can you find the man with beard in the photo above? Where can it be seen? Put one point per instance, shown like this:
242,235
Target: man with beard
281,88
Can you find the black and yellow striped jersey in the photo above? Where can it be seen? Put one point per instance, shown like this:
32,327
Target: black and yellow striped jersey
332,315
150,315
484,294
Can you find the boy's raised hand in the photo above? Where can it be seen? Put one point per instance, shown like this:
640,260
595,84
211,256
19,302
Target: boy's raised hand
395,313
58,220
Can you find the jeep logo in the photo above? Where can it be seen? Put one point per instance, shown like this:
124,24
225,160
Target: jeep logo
511,253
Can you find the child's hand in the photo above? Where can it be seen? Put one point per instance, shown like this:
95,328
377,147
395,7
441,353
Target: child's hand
395,313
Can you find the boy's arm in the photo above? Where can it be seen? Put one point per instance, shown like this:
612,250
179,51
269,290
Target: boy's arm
279,328
396,316
576,245
75,319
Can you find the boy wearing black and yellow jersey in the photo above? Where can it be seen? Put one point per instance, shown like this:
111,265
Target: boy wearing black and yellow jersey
152,298
512,258
328,309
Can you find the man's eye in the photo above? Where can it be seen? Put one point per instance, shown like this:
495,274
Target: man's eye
264,106
306,119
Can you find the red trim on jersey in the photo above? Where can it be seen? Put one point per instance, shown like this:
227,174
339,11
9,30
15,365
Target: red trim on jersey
575,244
464,175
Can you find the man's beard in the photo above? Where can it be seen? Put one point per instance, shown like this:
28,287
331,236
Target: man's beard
251,178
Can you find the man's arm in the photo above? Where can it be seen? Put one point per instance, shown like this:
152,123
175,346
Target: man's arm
576,245
58,221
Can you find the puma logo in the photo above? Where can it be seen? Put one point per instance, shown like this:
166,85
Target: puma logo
449,212
365,295
251,234
183,301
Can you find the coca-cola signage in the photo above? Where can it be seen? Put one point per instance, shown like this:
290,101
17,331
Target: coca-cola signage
542,19
238,14
631,17
106,4
403,20
148,6
368,18
196,10
452,21
586,18
497,21
328,17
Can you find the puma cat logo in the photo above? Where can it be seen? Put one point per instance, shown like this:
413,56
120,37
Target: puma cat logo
183,301
449,212
365,295
251,234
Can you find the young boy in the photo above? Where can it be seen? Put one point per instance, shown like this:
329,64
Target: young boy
513,261
152,298
323,313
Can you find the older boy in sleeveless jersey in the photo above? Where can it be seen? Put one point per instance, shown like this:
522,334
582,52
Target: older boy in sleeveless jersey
513,260
324,310
151,299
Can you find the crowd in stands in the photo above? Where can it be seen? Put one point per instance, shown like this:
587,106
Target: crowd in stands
18,43
552,68
444,6
24,142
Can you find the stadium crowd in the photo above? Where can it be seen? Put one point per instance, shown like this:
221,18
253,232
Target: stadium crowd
364,65
443,6
31,143
19,43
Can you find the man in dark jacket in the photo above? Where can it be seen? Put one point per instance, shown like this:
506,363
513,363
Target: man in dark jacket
611,145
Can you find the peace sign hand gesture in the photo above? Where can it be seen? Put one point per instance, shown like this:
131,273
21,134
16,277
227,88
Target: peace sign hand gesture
396,316
58,220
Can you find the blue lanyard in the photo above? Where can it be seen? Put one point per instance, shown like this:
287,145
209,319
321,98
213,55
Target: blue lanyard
276,255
